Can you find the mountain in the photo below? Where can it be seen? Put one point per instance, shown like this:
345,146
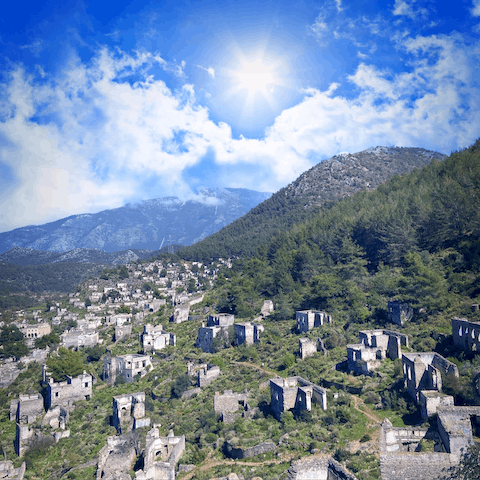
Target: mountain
330,180
149,225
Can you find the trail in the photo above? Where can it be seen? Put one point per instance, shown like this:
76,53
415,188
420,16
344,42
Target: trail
252,365
357,401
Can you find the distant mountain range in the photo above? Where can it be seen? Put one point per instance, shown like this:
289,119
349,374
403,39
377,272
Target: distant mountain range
148,225
330,180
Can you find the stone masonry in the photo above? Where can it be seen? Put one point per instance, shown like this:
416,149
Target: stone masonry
308,319
161,456
69,391
318,468
229,403
373,347
466,335
307,348
27,408
248,333
422,371
154,338
295,393
129,412
127,366
122,331
398,312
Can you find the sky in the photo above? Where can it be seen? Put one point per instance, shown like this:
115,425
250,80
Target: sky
104,103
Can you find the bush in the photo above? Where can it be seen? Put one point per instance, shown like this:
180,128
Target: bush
182,382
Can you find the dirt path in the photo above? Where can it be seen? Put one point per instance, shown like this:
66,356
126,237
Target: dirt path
252,365
208,464
357,402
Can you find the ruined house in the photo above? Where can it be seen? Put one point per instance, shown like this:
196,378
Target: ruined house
26,408
122,332
220,320
422,371
180,313
318,468
161,456
373,347
401,456
35,331
206,336
398,312
67,392
154,338
309,319
466,335
248,333
79,338
206,373
307,348
9,472
116,458
229,403
127,366
295,393
129,412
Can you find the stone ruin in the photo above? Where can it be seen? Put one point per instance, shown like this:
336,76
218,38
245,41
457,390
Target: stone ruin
398,312
373,347
423,371
79,338
216,324
129,412
181,313
248,333
127,366
308,348
122,331
206,373
466,335
26,408
115,459
228,404
318,468
401,457
309,319
161,455
67,392
154,338
9,472
295,393
267,308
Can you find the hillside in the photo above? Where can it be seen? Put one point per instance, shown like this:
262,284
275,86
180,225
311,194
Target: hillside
330,180
150,224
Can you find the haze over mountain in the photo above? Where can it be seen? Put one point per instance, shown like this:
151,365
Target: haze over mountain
147,225
335,178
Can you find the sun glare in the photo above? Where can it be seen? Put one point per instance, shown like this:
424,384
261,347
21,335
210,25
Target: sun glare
255,77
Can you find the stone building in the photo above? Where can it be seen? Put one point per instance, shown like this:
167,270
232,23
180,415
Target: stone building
26,408
295,393
207,374
398,312
207,334
122,332
229,403
422,371
129,412
373,347
180,313
307,348
69,391
267,308
9,472
79,338
127,366
220,320
466,335
431,400
154,338
116,458
161,456
308,319
319,467
248,333
35,331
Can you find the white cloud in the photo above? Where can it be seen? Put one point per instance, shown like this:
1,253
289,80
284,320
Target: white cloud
209,70
90,140
409,8
476,8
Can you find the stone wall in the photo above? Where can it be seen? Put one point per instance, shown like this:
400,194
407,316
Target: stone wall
122,331
398,312
431,400
9,472
466,335
240,452
27,408
229,402
207,375
318,468
65,393
180,313
306,320
220,320
129,411
307,348
116,457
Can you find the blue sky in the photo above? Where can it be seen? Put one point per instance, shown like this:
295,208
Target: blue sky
102,103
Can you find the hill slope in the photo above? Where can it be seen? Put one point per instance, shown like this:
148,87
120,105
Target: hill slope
338,177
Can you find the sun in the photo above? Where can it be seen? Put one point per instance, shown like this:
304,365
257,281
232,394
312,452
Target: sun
255,77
